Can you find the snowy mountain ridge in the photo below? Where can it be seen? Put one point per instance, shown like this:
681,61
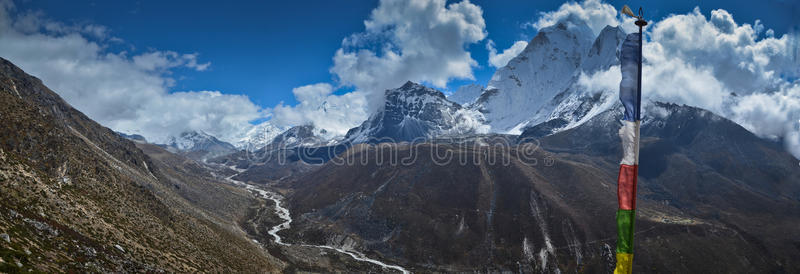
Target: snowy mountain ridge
191,140
301,136
199,145
259,136
413,112
542,82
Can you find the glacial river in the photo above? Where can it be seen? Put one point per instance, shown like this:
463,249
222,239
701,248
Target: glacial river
283,213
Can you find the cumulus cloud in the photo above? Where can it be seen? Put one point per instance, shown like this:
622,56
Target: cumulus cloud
600,81
225,116
594,13
732,52
674,80
773,115
422,41
499,60
319,107
126,92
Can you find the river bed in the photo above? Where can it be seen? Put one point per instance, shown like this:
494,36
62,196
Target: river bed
284,214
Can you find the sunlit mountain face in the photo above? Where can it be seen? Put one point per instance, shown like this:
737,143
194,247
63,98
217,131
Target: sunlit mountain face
398,136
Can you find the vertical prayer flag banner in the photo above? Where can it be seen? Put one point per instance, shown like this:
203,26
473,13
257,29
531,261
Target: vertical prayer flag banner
630,96
628,87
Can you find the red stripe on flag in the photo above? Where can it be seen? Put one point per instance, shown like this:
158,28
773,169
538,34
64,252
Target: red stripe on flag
626,186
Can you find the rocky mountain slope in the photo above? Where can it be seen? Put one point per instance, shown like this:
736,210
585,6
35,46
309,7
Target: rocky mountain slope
708,189
133,137
78,197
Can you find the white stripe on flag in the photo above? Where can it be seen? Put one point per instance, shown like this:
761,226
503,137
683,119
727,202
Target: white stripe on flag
629,133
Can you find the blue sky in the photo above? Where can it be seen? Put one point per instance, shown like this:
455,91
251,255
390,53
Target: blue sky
264,49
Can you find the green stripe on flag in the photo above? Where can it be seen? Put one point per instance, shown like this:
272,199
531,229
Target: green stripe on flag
625,220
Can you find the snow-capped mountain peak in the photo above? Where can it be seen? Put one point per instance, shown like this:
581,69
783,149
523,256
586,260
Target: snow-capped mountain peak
300,136
548,65
259,136
604,52
542,83
200,144
415,112
190,140
579,103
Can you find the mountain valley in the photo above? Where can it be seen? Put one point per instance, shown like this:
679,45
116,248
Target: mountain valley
518,176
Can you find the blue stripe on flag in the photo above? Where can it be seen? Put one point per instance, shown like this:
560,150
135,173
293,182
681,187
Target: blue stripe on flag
629,64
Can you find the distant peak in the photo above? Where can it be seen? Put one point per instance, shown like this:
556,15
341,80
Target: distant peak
567,26
414,89
609,28
410,85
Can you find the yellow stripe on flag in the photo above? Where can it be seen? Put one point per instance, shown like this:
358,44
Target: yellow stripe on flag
624,263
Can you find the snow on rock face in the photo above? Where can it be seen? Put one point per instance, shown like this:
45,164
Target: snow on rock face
588,97
259,136
547,66
414,112
300,136
605,51
466,94
192,141
541,84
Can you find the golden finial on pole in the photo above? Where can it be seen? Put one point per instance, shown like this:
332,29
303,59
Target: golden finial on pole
627,11
640,21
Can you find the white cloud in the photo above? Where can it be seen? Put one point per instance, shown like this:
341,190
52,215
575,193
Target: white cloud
601,80
312,93
722,20
594,13
772,115
500,60
731,51
225,116
318,106
165,60
125,93
770,33
422,41
30,22
672,79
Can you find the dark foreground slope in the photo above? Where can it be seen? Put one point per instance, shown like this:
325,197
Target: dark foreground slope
78,197
712,198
